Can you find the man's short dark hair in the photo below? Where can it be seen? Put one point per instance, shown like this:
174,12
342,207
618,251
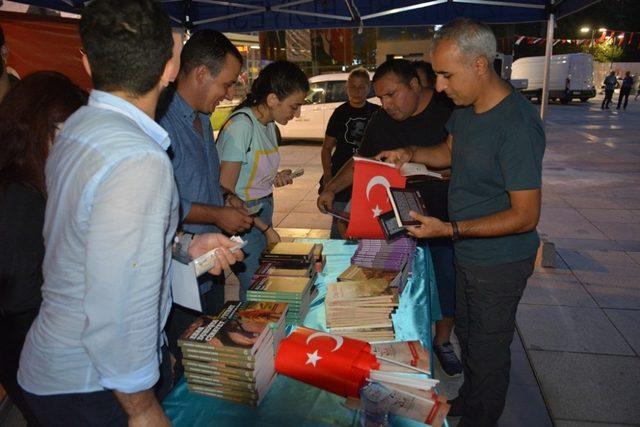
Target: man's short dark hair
402,68
127,43
1,37
209,48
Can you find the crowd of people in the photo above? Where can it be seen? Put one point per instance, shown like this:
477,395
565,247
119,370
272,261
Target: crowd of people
98,191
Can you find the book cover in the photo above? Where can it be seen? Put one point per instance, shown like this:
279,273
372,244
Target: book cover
358,273
371,290
290,249
404,200
239,327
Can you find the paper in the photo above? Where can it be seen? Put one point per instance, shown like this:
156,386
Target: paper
184,286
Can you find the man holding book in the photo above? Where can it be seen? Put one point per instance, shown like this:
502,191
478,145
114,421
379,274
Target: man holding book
93,354
209,68
411,115
495,149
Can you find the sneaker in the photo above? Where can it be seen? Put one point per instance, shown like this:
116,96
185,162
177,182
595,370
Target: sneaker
448,360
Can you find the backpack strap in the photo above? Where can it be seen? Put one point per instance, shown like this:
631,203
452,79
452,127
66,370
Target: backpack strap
237,113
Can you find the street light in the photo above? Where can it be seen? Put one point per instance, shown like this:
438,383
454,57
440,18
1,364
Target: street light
585,30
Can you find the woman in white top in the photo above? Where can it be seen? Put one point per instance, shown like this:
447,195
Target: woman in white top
248,150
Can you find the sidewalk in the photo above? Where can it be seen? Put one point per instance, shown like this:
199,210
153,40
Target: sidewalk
580,322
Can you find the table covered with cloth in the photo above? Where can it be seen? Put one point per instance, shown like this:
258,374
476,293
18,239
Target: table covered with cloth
292,403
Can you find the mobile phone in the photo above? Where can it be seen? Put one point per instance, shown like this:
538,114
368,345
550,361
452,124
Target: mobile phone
297,172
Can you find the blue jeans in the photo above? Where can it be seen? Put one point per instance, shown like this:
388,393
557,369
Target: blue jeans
256,243
445,274
337,206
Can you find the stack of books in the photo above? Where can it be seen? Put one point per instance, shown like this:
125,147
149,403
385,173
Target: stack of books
287,273
361,309
403,382
231,355
375,253
293,255
356,272
297,292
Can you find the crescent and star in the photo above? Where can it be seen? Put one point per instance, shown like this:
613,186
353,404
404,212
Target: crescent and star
314,357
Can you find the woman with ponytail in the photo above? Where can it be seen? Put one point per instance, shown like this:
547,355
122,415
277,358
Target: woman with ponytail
248,150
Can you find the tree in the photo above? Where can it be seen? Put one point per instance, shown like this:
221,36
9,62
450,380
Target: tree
605,52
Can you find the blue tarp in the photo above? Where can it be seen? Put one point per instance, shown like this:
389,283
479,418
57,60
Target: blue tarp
261,15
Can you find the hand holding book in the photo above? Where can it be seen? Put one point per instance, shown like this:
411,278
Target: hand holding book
429,227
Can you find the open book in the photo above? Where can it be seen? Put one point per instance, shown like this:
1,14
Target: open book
408,169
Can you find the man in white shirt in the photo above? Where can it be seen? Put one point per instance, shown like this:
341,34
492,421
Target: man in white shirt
93,353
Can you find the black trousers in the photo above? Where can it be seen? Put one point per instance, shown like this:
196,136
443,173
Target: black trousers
13,330
96,409
608,95
624,94
486,302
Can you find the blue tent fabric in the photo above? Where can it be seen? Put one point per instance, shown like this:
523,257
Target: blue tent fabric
264,15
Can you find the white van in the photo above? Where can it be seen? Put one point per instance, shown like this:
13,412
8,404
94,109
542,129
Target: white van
571,76
326,93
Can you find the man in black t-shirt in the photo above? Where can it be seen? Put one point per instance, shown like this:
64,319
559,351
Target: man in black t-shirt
411,115
344,136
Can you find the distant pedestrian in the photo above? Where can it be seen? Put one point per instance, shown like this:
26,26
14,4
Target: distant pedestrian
625,89
609,85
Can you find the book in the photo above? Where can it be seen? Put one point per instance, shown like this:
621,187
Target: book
269,268
289,250
404,200
407,169
239,328
372,290
356,272
409,353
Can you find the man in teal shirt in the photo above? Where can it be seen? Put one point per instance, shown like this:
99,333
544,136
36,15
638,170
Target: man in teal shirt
495,149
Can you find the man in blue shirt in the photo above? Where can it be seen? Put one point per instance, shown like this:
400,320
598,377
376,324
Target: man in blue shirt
92,355
209,68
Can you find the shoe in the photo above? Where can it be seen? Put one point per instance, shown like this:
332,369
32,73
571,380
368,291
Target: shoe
448,360
457,407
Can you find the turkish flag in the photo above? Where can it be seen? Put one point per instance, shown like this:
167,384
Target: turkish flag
333,363
369,196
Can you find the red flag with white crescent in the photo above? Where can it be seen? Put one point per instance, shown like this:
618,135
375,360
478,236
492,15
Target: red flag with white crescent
369,196
333,363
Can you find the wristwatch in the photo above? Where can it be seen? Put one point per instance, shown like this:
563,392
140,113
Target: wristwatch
180,249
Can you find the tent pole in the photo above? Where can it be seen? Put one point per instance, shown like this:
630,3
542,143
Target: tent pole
547,66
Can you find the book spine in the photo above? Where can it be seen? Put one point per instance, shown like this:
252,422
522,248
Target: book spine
226,351
204,349
208,357
248,376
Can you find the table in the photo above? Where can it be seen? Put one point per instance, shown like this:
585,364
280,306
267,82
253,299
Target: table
292,403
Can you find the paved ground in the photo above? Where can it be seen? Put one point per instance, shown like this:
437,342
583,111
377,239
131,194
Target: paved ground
576,359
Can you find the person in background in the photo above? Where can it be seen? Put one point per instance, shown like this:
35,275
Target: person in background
609,86
428,80
95,350
495,148
209,68
412,115
343,138
6,79
248,150
625,90
30,116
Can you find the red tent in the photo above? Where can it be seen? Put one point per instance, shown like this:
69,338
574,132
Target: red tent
39,43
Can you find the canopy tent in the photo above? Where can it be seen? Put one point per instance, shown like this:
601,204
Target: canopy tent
261,15
265,15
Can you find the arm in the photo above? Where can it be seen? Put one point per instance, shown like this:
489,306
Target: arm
142,408
522,216
435,157
325,155
230,219
342,180
229,173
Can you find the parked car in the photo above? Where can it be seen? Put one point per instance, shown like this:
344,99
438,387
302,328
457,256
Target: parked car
571,77
326,93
